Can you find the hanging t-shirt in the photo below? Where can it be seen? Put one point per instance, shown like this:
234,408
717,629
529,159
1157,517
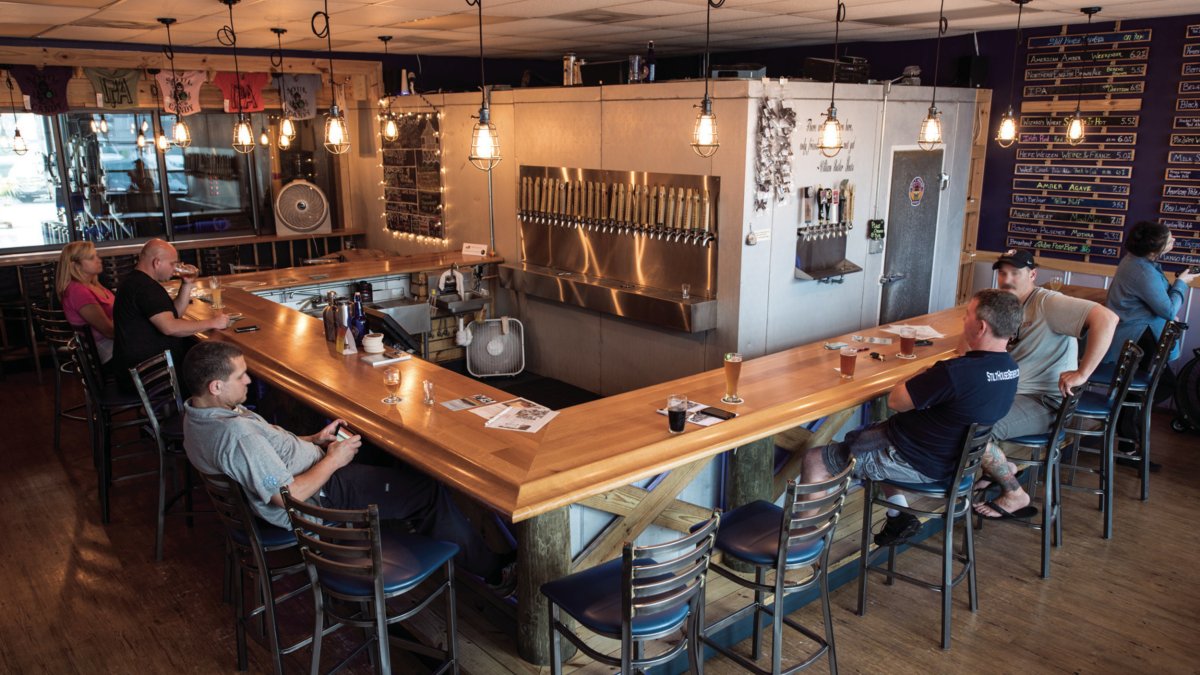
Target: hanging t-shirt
300,95
45,87
115,87
250,91
188,95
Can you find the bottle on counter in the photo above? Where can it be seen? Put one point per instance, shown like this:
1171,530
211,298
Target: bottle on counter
358,323
329,316
648,63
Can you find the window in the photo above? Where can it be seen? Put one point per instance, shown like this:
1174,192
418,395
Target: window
29,186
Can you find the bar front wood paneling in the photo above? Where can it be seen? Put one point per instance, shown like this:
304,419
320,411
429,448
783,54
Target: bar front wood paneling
589,449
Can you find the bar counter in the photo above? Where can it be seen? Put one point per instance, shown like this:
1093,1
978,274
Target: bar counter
587,451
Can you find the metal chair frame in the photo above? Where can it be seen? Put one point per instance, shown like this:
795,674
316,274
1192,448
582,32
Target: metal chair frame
654,579
60,337
36,285
953,505
796,529
1131,354
350,543
250,558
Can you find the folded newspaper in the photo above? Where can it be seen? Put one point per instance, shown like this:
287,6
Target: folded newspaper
519,414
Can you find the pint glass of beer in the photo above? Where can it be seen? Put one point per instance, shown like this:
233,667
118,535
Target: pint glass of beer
908,343
733,370
849,360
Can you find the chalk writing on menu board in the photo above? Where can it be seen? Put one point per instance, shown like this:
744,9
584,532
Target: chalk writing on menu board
1182,174
1071,187
1070,58
1068,232
1085,89
1191,50
412,177
1133,70
1090,139
1088,155
1192,87
1187,122
1090,39
1073,217
1071,170
1180,205
1189,191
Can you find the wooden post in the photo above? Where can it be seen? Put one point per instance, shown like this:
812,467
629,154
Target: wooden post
543,554
751,473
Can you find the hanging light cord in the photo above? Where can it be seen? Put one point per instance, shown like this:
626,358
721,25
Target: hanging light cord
943,26
482,81
277,59
11,104
838,18
1012,73
169,52
228,37
1079,84
707,33
324,32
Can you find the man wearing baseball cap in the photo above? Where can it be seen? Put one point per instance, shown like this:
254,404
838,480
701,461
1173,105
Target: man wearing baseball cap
1046,347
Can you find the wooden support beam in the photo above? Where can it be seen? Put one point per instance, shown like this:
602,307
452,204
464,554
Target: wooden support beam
679,515
626,528
544,552
823,436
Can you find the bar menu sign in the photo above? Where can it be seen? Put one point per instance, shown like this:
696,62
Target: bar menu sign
1179,207
1072,200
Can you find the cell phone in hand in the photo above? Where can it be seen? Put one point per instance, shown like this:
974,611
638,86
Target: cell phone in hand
342,433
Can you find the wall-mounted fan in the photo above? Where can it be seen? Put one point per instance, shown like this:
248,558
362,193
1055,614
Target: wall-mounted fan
301,208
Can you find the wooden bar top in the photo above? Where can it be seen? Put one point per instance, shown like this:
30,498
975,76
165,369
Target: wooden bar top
588,449
320,274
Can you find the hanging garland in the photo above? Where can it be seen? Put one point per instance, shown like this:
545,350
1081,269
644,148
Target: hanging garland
773,163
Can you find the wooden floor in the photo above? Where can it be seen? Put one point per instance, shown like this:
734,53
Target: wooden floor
85,597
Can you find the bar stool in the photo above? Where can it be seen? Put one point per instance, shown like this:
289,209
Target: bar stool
116,268
1045,457
249,541
773,539
35,286
108,409
648,593
953,504
162,400
349,559
60,336
1103,409
1141,394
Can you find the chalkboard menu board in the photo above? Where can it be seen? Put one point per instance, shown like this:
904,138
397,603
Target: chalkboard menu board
412,177
1179,208
1072,200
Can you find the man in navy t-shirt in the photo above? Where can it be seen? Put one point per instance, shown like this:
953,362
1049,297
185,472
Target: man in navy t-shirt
923,443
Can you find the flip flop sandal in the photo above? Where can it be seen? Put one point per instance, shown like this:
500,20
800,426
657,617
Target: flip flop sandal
1023,513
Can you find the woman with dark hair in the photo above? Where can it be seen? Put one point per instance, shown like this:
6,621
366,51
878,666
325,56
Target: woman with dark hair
1140,293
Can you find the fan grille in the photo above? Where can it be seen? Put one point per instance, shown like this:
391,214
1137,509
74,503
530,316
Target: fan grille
302,207
491,352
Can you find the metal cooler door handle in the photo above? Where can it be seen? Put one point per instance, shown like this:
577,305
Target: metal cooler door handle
889,278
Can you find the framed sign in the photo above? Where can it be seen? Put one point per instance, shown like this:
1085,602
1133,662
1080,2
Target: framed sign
1068,58
1090,139
412,177
1071,217
1076,155
1074,170
1182,174
1071,187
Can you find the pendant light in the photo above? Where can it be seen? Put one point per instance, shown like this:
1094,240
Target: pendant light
930,136
18,143
161,141
181,135
104,125
388,128
141,133
243,133
1006,133
1076,130
704,135
830,140
287,126
485,144
264,138
337,135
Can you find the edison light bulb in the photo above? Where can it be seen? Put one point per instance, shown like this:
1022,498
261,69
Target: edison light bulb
391,131
1075,129
18,143
485,144
337,137
145,125
141,140
103,125
830,140
285,142
1007,133
287,128
264,138
180,134
162,142
931,130
95,126
243,137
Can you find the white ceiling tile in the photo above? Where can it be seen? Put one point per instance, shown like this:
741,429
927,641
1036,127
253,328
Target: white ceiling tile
101,34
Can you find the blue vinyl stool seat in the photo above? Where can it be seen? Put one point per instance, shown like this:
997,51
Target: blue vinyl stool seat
1104,408
355,569
1141,394
1045,458
648,593
770,538
951,507
268,535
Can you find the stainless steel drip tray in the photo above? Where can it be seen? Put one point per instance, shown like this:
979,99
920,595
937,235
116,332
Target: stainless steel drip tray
636,303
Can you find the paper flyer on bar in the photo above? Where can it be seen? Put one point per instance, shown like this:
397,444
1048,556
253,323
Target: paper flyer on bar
522,415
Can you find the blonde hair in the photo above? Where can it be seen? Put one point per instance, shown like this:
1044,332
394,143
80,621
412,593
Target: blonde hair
68,265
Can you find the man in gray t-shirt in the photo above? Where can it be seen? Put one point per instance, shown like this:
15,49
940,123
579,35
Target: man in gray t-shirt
1047,349
222,437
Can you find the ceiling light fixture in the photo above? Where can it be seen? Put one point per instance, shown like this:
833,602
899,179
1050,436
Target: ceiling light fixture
337,136
287,126
930,136
180,134
264,138
830,140
485,144
1006,133
104,125
243,133
388,128
160,136
18,144
704,135
1076,129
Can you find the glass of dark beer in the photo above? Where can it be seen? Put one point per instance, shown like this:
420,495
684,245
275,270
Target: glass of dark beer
677,407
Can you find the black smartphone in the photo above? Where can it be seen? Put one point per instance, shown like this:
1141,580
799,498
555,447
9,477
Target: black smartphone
1194,269
245,329
924,343
718,413
342,433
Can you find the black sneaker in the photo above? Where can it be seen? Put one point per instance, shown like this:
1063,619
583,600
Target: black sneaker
899,529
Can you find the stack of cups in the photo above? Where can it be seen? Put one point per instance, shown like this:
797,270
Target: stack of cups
373,343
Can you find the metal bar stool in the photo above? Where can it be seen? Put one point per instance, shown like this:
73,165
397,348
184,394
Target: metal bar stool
1141,395
35,284
261,551
953,504
60,337
648,593
769,538
1103,409
355,570
1045,459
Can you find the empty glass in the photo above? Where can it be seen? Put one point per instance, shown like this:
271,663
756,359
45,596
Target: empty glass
427,387
391,379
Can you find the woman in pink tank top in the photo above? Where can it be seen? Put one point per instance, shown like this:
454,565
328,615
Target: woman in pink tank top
84,300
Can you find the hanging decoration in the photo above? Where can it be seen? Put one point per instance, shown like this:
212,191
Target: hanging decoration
337,135
830,141
704,135
930,135
773,156
116,88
